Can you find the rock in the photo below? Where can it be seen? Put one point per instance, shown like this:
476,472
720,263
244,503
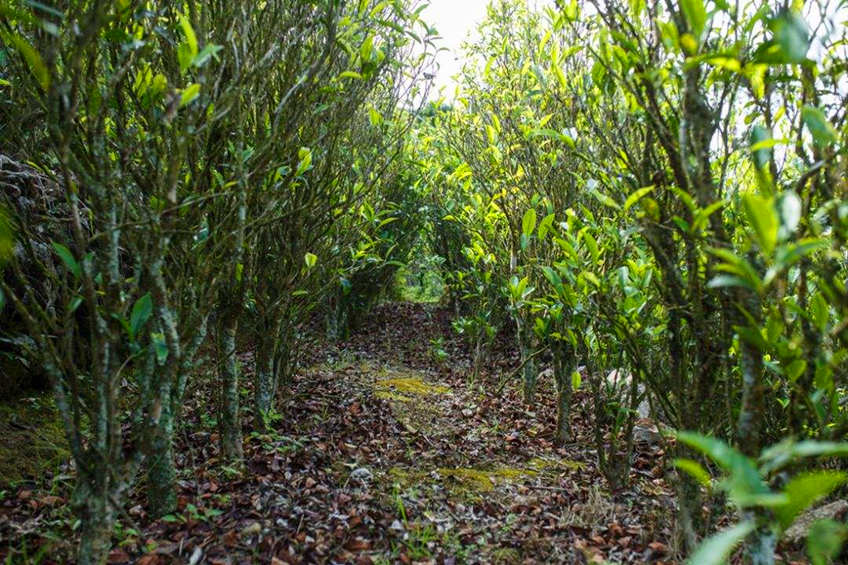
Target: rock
195,556
396,526
798,531
361,475
251,529
619,381
645,432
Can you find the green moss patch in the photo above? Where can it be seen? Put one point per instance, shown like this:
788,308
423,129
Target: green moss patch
410,385
554,466
32,439
481,480
386,395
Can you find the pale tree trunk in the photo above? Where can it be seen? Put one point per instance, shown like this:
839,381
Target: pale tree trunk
525,347
229,422
564,393
93,504
162,473
764,541
266,382
96,540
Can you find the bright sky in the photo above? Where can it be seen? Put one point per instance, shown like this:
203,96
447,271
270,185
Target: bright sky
454,20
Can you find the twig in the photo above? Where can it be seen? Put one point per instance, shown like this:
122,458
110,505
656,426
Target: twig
517,369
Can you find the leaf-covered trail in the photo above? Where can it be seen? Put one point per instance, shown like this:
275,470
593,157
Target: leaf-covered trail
439,469
383,454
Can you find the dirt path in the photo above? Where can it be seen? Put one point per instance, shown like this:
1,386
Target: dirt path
383,454
462,476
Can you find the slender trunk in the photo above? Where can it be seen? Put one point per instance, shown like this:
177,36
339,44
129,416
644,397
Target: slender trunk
526,350
690,515
753,391
228,419
478,355
162,474
266,386
95,542
563,384
97,521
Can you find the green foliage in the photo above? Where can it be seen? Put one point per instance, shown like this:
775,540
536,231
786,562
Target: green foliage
659,187
746,482
648,189
194,181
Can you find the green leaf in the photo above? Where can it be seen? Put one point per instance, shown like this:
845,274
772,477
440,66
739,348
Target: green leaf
819,311
696,16
787,451
760,150
694,469
141,312
804,489
744,484
189,93
716,549
545,225
820,128
310,259
591,277
304,155
825,541
763,218
555,280
592,245
724,281
715,449
703,215
528,222
636,196
205,55
553,134
367,48
187,50
737,266
795,369
790,208
792,36
32,57
576,380
603,198
350,74
791,253
160,346
68,259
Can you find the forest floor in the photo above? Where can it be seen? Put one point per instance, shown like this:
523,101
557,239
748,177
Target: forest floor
384,453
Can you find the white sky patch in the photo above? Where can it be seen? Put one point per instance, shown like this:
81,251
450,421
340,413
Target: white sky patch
455,21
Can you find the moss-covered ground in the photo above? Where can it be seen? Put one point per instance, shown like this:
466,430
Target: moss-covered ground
32,440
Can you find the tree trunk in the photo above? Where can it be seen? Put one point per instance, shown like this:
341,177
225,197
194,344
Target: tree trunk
265,386
563,385
229,423
526,350
690,521
97,520
162,475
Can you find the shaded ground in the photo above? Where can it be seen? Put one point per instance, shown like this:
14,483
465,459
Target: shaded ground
383,454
